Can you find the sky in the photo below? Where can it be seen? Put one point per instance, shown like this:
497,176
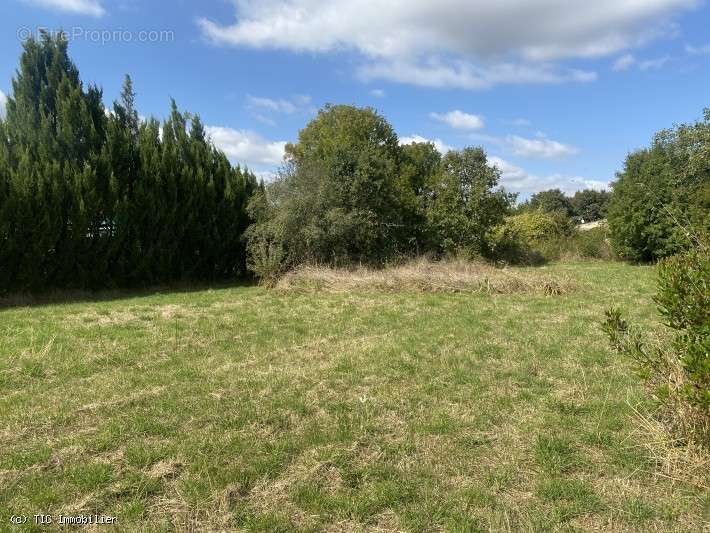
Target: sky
558,92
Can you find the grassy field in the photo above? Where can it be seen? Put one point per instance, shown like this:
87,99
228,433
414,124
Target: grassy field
244,408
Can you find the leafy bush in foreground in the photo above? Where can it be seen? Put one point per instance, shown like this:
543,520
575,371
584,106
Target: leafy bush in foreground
678,368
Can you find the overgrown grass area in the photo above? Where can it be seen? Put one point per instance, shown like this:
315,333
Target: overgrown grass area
423,275
278,410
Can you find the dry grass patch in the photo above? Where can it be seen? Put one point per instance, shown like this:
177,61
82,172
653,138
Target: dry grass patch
423,275
675,459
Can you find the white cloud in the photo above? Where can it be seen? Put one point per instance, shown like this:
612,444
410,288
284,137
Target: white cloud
469,44
653,63
516,179
378,93
247,147
540,147
627,61
3,103
437,73
459,120
624,62
697,50
265,175
281,105
517,122
82,7
440,145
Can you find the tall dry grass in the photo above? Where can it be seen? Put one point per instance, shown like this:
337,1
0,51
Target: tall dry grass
424,275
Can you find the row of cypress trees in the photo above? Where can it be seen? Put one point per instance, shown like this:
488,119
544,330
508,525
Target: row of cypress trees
91,198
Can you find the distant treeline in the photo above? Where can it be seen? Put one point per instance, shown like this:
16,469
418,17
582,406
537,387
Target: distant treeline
97,198
583,206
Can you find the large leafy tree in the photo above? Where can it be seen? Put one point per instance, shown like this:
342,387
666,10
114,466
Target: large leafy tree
350,193
661,193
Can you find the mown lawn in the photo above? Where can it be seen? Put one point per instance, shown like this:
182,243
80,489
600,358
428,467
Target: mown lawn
243,408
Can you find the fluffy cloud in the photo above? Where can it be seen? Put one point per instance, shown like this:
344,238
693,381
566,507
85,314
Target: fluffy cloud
247,147
654,63
3,103
83,7
459,120
440,145
281,105
378,93
516,179
468,44
540,147
438,73
517,122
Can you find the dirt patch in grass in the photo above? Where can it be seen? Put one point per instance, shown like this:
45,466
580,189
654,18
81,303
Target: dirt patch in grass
425,276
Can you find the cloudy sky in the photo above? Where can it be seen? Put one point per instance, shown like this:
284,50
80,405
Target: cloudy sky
557,91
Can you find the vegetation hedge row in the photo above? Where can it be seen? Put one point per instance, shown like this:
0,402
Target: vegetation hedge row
91,198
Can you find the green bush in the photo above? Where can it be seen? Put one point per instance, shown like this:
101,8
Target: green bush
593,243
589,244
531,237
538,226
678,367
684,302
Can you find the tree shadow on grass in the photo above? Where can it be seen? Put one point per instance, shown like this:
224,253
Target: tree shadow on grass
70,296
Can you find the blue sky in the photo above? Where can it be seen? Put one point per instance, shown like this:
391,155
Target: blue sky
557,91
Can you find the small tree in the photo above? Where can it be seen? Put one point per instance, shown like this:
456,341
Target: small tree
343,187
466,202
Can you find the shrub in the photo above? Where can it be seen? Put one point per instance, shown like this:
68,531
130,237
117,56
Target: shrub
592,243
538,226
589,244
684,302
676,365
530,237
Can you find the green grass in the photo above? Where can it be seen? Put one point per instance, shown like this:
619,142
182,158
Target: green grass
241,408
